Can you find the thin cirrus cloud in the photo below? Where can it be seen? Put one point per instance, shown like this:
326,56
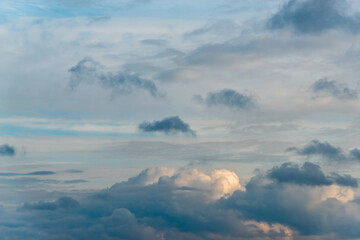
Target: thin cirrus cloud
228,98
309,174
314,16
163,203
327,151
90,71
167,125
324,87
6,150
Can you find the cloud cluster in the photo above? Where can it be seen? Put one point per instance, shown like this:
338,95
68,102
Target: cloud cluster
167,125
163,203
324,87
309,174
327,151
6,150
228,98
315,16
89,71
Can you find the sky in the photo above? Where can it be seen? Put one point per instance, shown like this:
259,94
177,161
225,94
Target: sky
163,119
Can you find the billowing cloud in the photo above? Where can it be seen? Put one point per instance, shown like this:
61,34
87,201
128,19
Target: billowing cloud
324,87
90,71
163,203
308,174
314,16
327,151
228,98
6,150
167,125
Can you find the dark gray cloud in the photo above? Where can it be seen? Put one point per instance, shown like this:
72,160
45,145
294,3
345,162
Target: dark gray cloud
160,204
90,71
327,151
229,98
324,87
308,174
6,150
167,125
315,16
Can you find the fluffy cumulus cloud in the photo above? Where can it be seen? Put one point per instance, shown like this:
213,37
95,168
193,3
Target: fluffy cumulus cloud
228,98
327,151
90,71
167,125
314,16
6,150
163,203
324,87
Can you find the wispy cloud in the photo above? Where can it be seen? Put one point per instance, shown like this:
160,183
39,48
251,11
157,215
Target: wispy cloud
228,98
325,87
89,71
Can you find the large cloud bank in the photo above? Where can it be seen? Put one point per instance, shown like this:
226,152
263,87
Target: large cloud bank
162,203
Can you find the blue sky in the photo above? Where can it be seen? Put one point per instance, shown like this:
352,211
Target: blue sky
157,119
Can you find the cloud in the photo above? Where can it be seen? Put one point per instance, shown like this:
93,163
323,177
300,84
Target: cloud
324,87
228,98
314,16
89,71
62,202
154,42
6,150
167,125
162,203
312,211
308,174
41,173
37,173
327,151
221,28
